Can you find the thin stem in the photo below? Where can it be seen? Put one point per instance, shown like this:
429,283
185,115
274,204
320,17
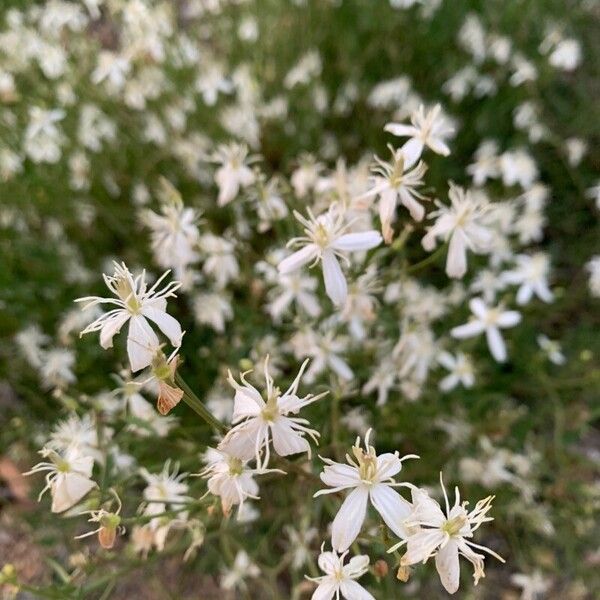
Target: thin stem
197,406
427,261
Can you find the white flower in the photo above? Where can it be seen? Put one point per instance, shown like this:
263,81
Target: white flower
566,55
593,267
428,129
135,304
296,288
369,477
234,171
230,478
461,224
395,181
174,234
552,350
324,241
445,536
256,422
461,371
532,586
68,477
531,274
488,320
242,567
340,578
325,350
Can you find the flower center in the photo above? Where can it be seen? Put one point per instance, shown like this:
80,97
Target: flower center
235,466
321,235
367,463
453,526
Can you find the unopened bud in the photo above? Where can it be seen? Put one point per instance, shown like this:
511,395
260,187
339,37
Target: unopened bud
107,533
380,568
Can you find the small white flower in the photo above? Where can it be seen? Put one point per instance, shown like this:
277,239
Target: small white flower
325,240
340,578
428,129
445,536
552,350
488,320
461,371
393,181
532,586
242,567
135,304
369,476
68,477
230,478
593,267
256,422
461,224
531,274
234,171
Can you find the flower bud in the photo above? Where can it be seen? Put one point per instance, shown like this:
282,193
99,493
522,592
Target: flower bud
380,568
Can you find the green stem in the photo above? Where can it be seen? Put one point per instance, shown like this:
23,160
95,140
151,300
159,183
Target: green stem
427,261
197,406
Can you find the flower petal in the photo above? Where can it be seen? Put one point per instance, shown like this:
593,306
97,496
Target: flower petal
142,343
349,519
298,259
496,343
351,242
392,507
354,591
467,330
166,323
286,440
446,562
335,282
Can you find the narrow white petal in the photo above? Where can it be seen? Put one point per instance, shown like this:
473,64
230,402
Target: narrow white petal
349,519
412,151
352,590
364,240
456,263
467,330
325,591
510,318
111,327
392,507
166,323
286,440
335,282
496,343
446,562
298,259
142,343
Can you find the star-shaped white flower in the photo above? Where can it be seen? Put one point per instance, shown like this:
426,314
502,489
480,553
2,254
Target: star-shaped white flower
340,578
369,477
428,129
257,422
489,320
135,304
326,240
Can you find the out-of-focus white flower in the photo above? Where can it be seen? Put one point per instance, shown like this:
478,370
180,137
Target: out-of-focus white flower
566,55
324,241
77,431
517,166
429,129
361,303
461,371
174,233
490,321
576,149
393,181
531,274
43,138
56,369
242,568
213,310
211,82
234,171
31,342
486,165
462,224
593,267
68,476
308,67
551,349
135,304
533,586
257,422
369,477
445,536
221,263
306,176
340,578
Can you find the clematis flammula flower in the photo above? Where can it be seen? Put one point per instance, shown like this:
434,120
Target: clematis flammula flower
340,578
325,241
231,479
68,476
531,274
135,304
234,172
256,422
461,371
461,224
428,129
370,477
445,536
395,181
489,320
